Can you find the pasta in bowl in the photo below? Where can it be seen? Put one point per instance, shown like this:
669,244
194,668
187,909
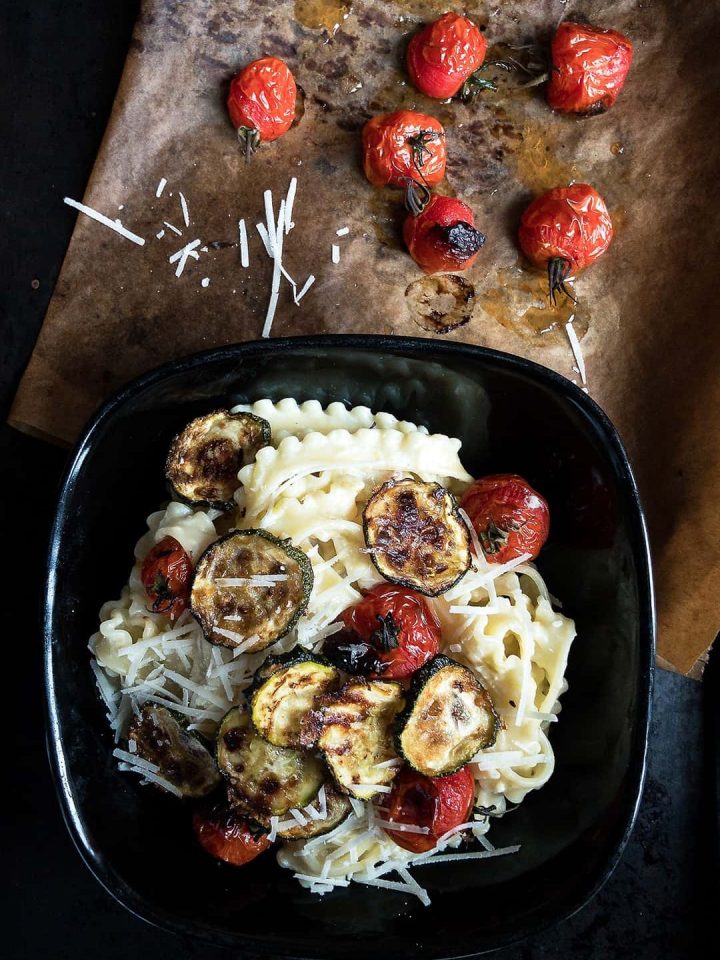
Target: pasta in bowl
335,640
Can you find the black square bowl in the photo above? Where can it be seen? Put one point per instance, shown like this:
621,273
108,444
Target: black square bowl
512,416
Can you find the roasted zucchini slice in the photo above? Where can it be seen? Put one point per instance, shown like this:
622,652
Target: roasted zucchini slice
266,781
357,735
204,459
182,759
416,536
284,694
249,589
337,808
449,717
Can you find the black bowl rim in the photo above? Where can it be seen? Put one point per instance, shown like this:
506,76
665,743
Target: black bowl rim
94,859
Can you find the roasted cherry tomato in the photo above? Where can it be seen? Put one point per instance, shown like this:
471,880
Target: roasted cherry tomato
443,236
165,574
437,803
400,627
227,836
443,57
261,102
564,230
402,149
589,67
509,517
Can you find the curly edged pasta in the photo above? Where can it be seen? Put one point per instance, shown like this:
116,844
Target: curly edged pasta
288,418
365,453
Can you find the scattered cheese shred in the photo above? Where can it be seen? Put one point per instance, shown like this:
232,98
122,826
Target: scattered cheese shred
306,286
160,187
106,221
244,252
171,227
276,233
335,253
270,219
474,855
260,580
205,282
289,205
342,232
401,827
265,237
184,207
182,255
134,760
575,346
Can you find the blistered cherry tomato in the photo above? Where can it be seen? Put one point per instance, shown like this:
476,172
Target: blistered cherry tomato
261,102
399,625
403,146
437,804
227,836
165,574
565,229
443,236
589,67
444,55
509,517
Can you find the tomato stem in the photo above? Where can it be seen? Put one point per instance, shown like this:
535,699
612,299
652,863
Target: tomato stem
475,83
386,636
419,145
537,64
417,196
558,269
249,138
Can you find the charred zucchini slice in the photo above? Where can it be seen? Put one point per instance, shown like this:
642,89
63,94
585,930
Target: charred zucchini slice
284,694
449,717
204,459
357,735
265,780
416,536
249,589
161,739
337,808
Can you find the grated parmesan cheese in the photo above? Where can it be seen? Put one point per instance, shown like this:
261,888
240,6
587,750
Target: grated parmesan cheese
244,252
305,287
260,580
184,207
182,255
106,221
290,202
575,347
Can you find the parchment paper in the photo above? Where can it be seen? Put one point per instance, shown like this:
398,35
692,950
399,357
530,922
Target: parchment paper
647,311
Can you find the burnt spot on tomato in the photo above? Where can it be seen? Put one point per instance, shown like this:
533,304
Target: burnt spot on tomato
461,240
418,805
352,654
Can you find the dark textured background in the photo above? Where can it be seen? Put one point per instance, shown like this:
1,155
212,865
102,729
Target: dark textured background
65,61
